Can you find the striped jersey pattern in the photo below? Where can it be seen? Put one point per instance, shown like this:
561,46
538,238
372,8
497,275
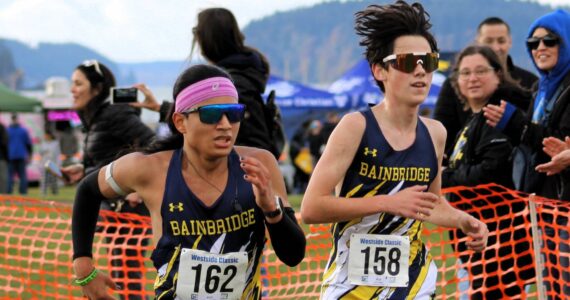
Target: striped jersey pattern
378,169
220,228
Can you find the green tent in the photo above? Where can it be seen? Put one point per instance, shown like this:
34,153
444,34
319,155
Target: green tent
11,101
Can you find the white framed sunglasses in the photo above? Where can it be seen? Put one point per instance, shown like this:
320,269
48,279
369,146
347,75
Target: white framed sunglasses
93,63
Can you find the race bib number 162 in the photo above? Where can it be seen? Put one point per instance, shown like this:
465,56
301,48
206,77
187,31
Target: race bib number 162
209,276
379,260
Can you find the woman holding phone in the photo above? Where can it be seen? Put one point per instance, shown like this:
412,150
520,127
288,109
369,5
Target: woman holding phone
110,130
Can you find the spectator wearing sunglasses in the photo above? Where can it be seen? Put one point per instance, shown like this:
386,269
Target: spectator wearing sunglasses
379,177
221,42
549,112
210,201
450,109
110,131
481,155
548,45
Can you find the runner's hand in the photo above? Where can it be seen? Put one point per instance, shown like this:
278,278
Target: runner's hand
98,287
413,203
133,199
476,230
258,175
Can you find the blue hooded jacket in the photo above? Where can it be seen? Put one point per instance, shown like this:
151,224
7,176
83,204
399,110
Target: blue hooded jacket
557,22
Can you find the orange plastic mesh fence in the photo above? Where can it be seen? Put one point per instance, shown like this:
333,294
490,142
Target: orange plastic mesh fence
35,251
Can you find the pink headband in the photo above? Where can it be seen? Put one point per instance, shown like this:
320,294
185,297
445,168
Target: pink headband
204,90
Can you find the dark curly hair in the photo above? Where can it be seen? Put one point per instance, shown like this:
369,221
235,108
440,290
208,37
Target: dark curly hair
380,25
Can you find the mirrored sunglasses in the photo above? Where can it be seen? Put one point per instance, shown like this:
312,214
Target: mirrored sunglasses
548,41
407,62
93,63
212,114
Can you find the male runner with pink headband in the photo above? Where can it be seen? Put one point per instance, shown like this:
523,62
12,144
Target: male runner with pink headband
204,90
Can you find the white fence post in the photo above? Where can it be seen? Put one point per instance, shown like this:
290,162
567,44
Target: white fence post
536,242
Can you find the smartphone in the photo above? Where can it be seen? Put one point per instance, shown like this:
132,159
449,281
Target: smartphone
123,95
54,170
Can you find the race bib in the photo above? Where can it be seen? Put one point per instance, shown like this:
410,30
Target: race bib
379,260
204,276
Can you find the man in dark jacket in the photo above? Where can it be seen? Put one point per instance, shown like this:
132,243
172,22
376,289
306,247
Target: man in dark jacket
449,109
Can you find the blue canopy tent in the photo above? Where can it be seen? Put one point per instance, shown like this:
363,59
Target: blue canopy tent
299,102
362,90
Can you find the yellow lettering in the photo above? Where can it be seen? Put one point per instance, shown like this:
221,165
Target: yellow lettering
211,225
426,178
402,173
372,173
175,228
220,226
228,224
244,219
413,174
363,169
201,227
184,230
387,174
251,213
421,174
395,174
192,226
235,222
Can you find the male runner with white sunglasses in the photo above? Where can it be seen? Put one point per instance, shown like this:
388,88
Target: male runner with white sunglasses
379,177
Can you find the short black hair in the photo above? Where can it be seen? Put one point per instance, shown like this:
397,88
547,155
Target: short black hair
493,21
380,25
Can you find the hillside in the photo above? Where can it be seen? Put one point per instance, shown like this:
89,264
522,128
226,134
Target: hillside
311,45
317,44
50,59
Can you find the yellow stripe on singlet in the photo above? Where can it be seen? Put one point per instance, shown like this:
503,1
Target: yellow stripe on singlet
374,191
354,190
159,282
363,292
421,278
253,284
195,246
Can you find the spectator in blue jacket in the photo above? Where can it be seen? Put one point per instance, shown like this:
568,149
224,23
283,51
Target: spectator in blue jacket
3,159
19,154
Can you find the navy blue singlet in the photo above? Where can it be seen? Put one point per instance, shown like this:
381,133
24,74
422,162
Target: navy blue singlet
220,228
378,169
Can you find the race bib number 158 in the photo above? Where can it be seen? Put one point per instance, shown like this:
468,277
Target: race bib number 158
379,260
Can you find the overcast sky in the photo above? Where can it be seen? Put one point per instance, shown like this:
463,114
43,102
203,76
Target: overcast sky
129,30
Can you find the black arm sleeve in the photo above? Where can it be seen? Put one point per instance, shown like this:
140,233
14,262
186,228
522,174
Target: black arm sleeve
287,238
85,212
